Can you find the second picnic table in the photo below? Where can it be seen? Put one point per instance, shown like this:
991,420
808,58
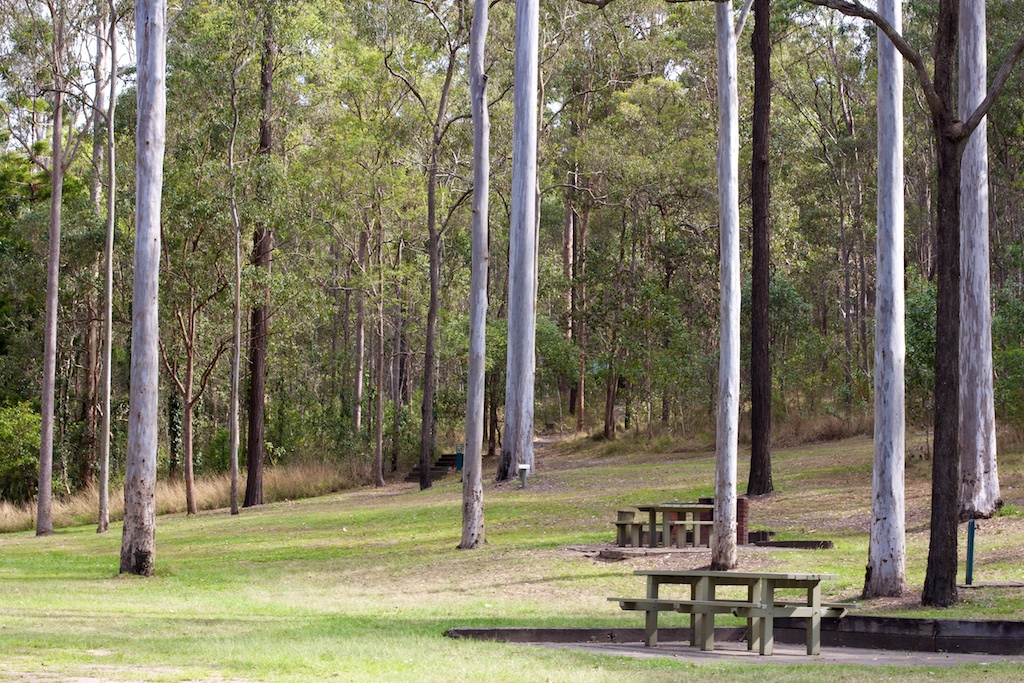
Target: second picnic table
688,514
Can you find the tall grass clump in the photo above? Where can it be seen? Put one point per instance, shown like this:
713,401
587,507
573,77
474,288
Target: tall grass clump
283,482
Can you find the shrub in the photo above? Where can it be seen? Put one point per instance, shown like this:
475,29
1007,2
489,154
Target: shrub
19,452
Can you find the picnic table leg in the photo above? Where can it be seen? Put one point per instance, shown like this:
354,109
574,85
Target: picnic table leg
651,628
766,625
666,529
705,591
754,623
814,621
651,620
652,530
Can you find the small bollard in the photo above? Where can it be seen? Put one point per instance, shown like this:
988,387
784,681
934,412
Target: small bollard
523,469
970,552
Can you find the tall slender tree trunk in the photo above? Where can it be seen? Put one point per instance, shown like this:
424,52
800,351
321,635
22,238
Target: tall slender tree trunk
760,479
472,473
44,507
580,310
979,474
434,256
886,569
108,285
236,305
138,543
429,356
187,422
494,392
940,579
360,359
517,445
723,551
378,460
398,395
940,576
94,320
263,246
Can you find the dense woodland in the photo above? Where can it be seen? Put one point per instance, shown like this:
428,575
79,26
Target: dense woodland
338,138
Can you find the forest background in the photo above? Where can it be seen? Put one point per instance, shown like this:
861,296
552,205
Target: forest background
362,99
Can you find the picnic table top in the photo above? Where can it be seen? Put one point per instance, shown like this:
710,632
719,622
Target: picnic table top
669,507
737,576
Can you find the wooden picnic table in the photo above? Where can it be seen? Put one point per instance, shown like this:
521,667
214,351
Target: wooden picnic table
760,607
678,512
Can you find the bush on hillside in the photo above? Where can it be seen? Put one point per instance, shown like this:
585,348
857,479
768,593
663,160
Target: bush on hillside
19,452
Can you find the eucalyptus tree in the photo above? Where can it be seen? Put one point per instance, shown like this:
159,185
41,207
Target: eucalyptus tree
951,132
723,551
446,30
138,542
262,251
108,280
979,474
886,568
760,480
44,55
195,286
472,479
517,445
236,290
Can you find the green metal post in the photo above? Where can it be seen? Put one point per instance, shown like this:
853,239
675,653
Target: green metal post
970,552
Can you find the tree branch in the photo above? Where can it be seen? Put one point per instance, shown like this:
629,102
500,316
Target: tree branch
994,89
171,370
855,9
405,80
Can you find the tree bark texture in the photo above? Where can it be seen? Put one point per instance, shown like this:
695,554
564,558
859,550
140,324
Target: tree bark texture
940,577
723,551
886,569
472,475
138,543
378,460
44,502
760,480
263,246
236,305
434,254
517,444
579,311
979,475
108,285
188,406
357,394
429,356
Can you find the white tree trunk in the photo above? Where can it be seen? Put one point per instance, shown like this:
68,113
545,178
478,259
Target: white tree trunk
886,570
472,479
108,285
236,311
517,446
44,502
138,543
378,436
723,552
979,476
357,408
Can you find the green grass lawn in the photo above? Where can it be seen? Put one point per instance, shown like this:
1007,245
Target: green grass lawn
362,585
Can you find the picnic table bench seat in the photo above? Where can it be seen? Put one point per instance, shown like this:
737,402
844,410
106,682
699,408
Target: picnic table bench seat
688,532
799,610
628,530
695,608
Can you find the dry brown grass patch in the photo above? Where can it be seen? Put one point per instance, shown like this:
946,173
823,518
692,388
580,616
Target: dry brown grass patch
287,482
